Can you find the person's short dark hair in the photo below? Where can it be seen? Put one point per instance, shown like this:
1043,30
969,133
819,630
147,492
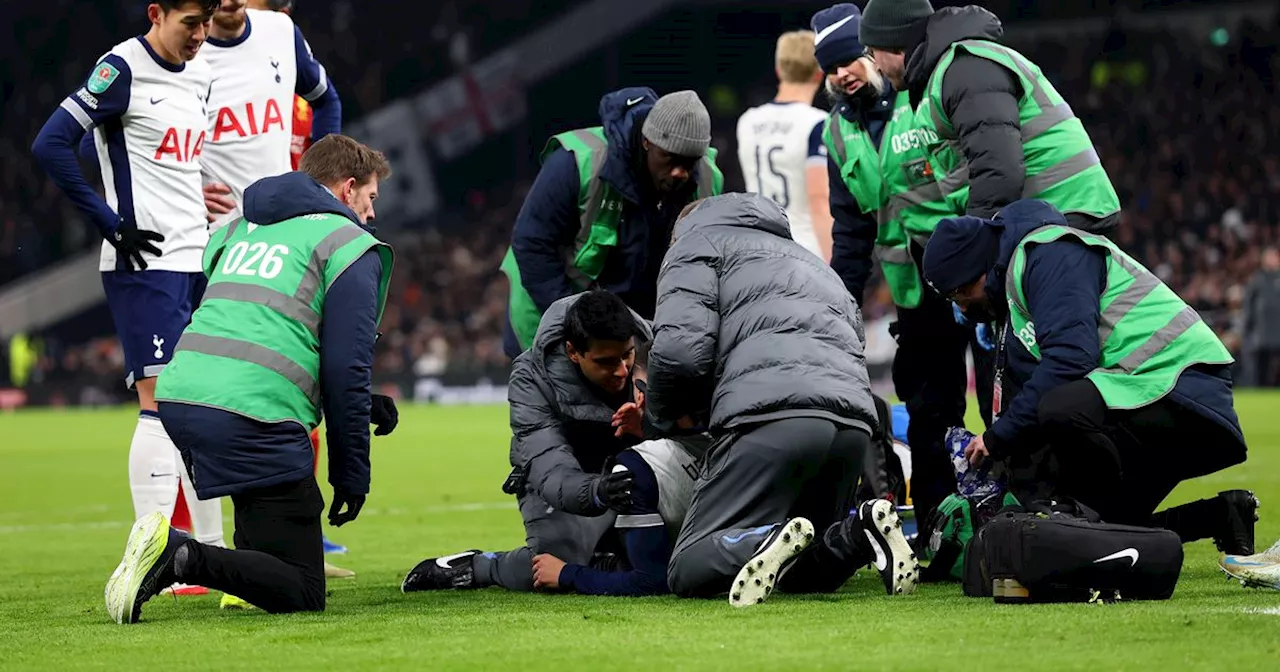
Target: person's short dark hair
208,6
598,316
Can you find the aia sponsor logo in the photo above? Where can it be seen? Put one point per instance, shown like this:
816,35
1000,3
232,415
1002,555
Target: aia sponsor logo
182,146
248,120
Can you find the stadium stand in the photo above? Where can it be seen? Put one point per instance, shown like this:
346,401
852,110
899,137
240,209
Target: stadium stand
1185,129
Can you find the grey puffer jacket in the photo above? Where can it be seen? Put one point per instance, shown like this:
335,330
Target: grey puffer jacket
751,327
561,431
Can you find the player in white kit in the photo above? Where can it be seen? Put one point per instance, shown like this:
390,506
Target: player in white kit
259,60
145,104
780,145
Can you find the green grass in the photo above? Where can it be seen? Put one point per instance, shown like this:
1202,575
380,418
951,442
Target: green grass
65,511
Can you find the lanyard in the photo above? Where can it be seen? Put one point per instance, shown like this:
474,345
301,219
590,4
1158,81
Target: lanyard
997,382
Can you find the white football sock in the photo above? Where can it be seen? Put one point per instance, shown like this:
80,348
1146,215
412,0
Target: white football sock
206,515
153,468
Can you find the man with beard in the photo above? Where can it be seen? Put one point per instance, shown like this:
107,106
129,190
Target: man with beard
990,119
600,213
885,200
994,130
1132,391
260,62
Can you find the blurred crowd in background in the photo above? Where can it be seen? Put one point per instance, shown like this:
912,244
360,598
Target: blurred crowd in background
1187,134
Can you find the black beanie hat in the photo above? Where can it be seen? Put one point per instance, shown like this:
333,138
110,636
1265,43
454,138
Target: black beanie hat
887,24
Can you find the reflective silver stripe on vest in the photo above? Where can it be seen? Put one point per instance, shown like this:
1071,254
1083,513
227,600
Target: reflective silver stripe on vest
1144,282
837,138
1060,171
1184,320
254,354
599,153
1011,287
1050,115
289,306
925,193
313,276
892,254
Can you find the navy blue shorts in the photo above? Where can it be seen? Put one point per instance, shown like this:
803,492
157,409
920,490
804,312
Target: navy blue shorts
150,309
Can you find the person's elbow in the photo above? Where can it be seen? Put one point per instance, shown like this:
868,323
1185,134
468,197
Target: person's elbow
48,143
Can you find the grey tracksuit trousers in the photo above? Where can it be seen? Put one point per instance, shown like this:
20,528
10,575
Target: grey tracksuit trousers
756,480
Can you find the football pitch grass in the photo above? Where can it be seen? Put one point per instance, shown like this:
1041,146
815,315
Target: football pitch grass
65,512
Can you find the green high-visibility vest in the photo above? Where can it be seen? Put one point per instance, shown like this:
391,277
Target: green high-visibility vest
600,211
898,184
253,345
1148,335
1062,165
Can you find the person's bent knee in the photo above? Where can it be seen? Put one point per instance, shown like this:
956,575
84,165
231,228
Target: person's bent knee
1063,407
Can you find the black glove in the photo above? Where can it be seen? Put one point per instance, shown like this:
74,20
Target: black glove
354,503
131,243
383,415
613,490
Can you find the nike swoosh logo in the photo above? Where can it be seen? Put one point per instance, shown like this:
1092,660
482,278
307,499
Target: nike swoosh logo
444,561
826,32
633,101
882,560
1131,553
763,529
155,101
155,475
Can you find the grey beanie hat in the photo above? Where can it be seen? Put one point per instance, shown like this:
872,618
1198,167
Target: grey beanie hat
680,124
887,24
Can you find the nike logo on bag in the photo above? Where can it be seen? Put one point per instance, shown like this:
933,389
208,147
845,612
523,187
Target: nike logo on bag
1131,553
444,562
633,101
155,101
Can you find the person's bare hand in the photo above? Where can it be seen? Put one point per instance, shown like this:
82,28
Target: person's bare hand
629,419
546,572
976,450
217,200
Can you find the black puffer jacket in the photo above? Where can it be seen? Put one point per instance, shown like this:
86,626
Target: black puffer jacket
981,98
751,327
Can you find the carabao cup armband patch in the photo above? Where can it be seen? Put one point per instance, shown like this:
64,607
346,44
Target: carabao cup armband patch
102,76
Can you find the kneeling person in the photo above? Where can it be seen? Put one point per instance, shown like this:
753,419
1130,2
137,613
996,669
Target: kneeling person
286,330
564,393
760,336
664,472
1132,392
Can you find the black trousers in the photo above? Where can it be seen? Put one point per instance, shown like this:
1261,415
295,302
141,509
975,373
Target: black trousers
929,376
1124,463
278,562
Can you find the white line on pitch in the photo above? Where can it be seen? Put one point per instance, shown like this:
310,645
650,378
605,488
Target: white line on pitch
394,511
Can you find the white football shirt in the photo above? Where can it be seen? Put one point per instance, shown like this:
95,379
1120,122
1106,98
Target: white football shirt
255,77
675,467
775,143
148,120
